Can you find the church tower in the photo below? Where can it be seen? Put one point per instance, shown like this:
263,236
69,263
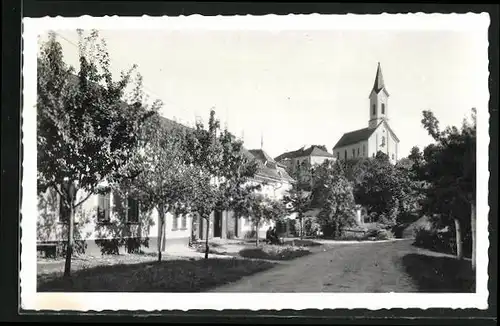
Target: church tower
378,100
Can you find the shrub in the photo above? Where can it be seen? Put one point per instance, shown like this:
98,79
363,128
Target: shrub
274,253
79,248
379,234
250,234
109,246
443,241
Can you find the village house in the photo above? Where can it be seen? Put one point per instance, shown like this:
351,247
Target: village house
274,181
104,218
378,136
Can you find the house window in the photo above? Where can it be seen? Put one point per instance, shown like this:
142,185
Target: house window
358,151
184,221
63,211
175,222
364,150
353,152
374,109
103,207
383,108
345,154
132,210
338,155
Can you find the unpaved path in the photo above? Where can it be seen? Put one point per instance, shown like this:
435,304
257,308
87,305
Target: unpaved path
363,267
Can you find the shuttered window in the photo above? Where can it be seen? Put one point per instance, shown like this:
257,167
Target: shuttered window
103,207
132,210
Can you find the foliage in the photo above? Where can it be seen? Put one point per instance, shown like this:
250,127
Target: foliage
298,201
379,234
223,170
310,226
448,167
164,178
440,241
272,252
337,212
260,209
85,131
384,189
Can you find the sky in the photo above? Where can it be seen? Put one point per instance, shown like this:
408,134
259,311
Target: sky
292,88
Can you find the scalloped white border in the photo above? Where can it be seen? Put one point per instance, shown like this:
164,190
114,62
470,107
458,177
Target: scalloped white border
32,300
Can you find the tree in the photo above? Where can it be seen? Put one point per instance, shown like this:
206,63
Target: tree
298,201
338,205
165,180
449,168
223,169
86,133
260,209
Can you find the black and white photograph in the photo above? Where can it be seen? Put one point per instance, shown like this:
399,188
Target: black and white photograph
235,162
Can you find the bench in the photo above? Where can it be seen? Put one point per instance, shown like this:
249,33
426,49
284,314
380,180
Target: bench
49,249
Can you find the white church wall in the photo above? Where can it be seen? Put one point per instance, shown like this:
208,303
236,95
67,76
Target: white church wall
350,148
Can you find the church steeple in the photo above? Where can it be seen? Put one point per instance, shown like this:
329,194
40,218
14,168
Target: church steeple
378,100
379,81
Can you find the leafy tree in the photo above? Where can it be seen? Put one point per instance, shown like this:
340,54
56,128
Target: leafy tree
223,170
338,205
165,180
260,209
298,201
449,168
86,133
386,190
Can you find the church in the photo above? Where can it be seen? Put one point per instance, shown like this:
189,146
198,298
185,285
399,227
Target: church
378,136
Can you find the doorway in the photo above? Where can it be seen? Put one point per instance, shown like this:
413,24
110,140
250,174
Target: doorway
217,224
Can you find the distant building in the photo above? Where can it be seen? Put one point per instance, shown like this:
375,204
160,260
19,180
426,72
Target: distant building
305,158
310,156
378,136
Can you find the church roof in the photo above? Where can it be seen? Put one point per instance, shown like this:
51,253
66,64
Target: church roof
311,151
356,136
379,85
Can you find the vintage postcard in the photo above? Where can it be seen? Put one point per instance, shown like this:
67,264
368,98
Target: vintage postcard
255,162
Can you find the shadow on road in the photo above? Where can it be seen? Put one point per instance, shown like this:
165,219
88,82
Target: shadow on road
165,276
440,273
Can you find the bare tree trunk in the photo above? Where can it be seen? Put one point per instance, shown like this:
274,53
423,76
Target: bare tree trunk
257,234
473,232
458,232
161,226
69,247
207,248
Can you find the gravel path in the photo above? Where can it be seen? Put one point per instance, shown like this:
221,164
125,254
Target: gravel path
374,267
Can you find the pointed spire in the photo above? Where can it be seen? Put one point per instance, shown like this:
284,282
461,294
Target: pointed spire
379,80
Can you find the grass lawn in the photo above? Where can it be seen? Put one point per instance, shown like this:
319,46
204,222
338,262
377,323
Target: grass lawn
439,273
165,276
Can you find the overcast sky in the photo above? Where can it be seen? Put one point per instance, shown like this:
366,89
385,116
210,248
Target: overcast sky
304,87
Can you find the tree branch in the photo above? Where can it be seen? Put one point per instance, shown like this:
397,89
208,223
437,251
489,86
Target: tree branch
83,200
